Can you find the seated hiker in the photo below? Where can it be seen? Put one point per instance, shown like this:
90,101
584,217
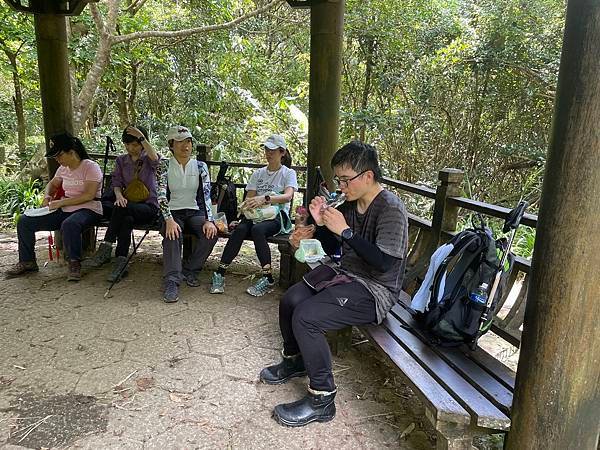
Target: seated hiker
74,211
372,228
184,201
133,200
266,208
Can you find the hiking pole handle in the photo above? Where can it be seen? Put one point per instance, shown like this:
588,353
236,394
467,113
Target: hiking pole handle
514,217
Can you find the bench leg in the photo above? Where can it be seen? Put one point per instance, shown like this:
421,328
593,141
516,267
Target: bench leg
340,340
454,441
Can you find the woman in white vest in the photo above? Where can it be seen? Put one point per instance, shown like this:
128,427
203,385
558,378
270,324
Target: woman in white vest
184,201
270,186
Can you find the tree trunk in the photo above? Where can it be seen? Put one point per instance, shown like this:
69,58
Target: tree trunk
18,104
370,50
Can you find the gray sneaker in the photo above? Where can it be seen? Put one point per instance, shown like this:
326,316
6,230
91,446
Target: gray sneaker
192,280
261,287
171,292
119,270
218,283
102,255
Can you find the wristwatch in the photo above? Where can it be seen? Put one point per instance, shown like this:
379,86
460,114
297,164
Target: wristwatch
141,139
267,199
347,234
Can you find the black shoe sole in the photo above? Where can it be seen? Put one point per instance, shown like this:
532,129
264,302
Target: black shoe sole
283,380
302,424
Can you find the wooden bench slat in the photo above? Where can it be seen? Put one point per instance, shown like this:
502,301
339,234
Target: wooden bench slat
483,359
485,413
441,405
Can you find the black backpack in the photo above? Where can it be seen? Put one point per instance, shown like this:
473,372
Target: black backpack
223,194
456,319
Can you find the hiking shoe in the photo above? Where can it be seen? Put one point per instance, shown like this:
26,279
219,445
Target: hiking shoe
316,406
119,270
21,268
74,271
102,255
218,283
192,280
261,287
171,292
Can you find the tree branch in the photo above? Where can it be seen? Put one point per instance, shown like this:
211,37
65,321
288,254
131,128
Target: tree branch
191,31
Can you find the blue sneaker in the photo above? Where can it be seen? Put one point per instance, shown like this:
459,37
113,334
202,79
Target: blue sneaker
218,283
261,287
171,292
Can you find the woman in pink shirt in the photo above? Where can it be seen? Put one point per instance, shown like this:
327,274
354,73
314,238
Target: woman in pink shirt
73,198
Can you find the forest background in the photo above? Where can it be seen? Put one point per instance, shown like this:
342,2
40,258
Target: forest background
467,84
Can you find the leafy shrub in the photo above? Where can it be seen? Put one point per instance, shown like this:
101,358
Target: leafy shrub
17,195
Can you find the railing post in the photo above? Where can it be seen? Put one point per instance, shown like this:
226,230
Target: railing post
202,152
445,215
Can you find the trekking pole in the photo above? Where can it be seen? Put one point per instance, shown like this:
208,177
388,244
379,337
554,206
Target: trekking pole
118,277
511,224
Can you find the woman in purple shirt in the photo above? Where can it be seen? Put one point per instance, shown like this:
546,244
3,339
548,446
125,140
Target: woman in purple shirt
142,161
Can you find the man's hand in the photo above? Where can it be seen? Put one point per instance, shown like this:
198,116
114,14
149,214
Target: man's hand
334,220
316,209
173,230
120,200
209,229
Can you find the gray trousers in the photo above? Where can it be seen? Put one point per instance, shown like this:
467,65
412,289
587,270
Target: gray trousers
191,222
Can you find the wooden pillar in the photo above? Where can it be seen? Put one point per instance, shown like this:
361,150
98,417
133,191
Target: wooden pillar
557,396
445,215
326,32
55,84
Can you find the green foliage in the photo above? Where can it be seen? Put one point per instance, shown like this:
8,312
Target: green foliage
18,195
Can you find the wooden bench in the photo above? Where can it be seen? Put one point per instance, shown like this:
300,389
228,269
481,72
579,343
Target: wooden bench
465,393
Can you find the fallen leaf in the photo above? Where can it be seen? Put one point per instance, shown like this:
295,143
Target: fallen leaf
179,398
409,429
145,383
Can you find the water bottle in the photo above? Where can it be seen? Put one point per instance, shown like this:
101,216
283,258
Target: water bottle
480,295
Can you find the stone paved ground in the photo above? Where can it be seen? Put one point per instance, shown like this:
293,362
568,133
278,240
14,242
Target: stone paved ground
81,371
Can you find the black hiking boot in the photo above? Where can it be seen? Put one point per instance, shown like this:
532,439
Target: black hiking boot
289,367
316,406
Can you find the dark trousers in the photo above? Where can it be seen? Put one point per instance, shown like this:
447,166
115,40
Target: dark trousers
122,221
305,316
70,224
190,221
259,232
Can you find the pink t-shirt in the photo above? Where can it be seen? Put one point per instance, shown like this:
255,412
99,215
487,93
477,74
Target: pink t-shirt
73,184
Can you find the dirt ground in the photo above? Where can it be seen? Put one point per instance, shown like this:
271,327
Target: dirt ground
78,370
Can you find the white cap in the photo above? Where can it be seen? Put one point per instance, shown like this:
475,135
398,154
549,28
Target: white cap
178,133
275,141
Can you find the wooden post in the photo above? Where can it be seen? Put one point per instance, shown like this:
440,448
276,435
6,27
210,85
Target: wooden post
326,32
557,399
202,152
445,215
55,84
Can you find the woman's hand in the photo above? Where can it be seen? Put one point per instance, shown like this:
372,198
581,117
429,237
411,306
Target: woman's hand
134,132
120,200
54,204
316,209
256,202
209,229
46,201
172,229
334,220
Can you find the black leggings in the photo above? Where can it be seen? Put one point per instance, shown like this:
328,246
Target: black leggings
305,315
259,232
122,221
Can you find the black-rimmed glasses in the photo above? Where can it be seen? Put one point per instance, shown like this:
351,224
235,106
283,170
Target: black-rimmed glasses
345,182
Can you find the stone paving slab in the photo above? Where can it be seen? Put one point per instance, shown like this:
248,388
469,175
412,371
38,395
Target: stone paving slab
172,376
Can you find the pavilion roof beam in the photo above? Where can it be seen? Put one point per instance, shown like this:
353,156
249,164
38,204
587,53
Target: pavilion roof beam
56,7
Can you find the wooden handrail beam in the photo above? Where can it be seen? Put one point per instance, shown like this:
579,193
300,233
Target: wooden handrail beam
500,212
